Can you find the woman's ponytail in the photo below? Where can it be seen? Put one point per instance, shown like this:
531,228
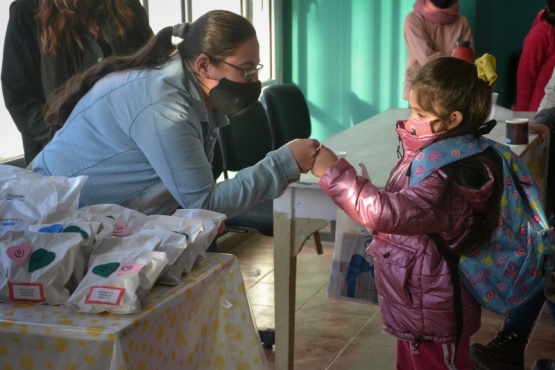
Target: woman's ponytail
154,54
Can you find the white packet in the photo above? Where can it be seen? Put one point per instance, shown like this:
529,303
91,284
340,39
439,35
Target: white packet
174,245
37,267
126,220
121,272
64,216
87,230
26,196
211,221
191,227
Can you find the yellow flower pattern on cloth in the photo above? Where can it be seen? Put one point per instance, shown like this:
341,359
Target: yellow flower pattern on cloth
203,323
487,67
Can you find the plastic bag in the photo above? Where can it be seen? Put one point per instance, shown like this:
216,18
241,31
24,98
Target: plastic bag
210,223
26,196
37,267
352,270
122,271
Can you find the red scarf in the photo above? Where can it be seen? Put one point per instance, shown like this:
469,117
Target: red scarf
437,15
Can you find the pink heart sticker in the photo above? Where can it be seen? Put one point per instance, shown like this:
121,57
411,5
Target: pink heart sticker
19,253
121,228
129,268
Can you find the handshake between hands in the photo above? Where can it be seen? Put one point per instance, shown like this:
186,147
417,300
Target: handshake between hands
312,156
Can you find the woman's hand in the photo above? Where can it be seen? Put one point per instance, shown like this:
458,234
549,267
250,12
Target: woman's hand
540,129
304,151
325,158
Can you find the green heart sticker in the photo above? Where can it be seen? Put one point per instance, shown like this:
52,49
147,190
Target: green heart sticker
106,269
76,229
40,258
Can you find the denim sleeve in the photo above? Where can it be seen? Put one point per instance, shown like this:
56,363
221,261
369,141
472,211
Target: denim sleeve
170,135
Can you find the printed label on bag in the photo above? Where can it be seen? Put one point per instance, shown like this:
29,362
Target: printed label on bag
105,295
26,292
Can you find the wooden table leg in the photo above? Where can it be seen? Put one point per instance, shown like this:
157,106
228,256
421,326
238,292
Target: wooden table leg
289,237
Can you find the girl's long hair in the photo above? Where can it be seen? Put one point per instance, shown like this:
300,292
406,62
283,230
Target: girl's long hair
60,21
443,86
217,33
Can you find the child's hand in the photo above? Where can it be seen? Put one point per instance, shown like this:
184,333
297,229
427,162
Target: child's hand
324,159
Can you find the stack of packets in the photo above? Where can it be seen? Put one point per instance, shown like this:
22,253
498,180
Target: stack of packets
92,259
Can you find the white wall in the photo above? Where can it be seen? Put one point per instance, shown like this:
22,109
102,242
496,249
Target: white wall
10,139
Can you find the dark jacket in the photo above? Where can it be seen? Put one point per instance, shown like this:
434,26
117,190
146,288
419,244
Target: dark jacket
28,76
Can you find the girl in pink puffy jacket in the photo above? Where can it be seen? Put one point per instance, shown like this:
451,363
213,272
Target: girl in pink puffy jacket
457,205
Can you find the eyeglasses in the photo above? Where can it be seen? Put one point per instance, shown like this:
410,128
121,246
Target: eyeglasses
247,73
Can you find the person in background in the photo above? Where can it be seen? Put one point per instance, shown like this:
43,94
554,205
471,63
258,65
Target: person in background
432,31
537,60
449,98
48,41
548,100
143,127
506,350
543,125
547,364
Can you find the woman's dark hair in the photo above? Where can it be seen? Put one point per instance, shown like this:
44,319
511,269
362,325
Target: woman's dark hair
60,21
446,85
217,33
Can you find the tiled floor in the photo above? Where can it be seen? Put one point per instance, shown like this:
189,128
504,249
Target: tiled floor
340,335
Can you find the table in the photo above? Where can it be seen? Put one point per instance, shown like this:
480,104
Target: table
304,208
203,323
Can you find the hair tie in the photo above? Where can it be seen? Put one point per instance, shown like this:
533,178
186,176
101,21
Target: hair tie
486,66
180,30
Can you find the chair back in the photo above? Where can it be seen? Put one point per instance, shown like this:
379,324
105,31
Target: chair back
246,140
288,113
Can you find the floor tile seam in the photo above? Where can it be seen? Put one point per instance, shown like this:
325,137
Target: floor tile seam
307,300
350,341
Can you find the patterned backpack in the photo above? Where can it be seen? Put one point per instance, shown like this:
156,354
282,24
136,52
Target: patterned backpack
510,270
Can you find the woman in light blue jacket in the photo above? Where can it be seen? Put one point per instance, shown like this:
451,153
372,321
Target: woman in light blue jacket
143,127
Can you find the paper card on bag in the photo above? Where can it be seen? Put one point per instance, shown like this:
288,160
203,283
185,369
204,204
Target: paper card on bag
105,295
26,292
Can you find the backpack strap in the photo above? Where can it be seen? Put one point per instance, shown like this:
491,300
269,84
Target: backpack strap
453,263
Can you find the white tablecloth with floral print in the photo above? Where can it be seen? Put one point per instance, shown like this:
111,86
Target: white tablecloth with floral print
203,323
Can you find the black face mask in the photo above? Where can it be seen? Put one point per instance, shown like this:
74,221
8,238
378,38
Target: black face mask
234,98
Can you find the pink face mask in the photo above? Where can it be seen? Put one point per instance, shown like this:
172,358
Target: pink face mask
418,128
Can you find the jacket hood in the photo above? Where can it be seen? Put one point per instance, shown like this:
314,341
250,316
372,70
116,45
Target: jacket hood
538,18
